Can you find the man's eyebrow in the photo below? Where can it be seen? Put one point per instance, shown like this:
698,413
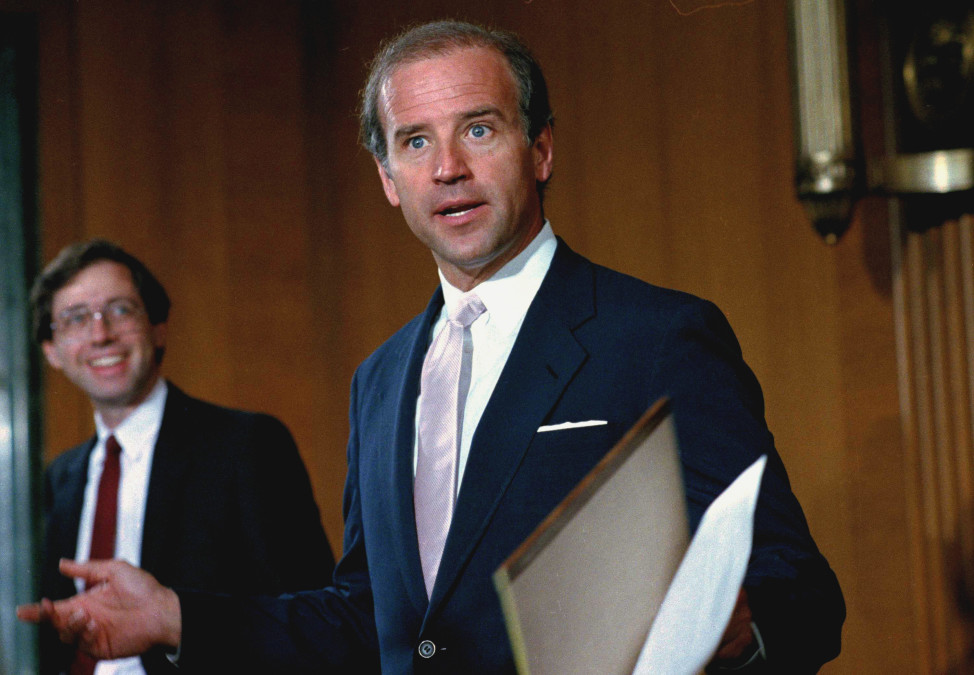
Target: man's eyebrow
486,111
76,307
407,131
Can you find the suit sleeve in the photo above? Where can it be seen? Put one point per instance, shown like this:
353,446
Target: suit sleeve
719,412
330,628
288,536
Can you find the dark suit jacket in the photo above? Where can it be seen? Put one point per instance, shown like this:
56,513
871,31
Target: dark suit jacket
229,508
595,344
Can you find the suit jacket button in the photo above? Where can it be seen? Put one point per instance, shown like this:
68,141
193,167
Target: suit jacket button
427,649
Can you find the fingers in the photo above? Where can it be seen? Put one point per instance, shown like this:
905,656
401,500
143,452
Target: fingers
30,613
93,572
734,645
70,626
36,612
70,622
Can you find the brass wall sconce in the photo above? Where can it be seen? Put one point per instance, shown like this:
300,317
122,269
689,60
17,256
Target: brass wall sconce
928,48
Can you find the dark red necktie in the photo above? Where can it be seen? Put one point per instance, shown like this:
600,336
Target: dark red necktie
103,532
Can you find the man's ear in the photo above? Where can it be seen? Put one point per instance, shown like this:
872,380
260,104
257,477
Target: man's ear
158,333
388,185
543,154
51,354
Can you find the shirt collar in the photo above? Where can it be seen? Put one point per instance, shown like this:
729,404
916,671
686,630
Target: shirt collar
510,291
136,432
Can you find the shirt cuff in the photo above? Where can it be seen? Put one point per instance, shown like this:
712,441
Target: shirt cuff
747,659
174,656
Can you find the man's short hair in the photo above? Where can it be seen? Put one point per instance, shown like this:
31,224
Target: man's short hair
440,38
76,257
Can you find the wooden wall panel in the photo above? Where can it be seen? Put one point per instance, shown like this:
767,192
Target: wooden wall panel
217,140
60,195
875,570
178,130
935,313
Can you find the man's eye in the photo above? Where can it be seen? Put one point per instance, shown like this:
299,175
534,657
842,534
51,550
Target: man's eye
417,143
75,319
478,131
121,310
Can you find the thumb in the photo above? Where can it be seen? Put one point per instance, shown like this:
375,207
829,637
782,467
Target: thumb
30,613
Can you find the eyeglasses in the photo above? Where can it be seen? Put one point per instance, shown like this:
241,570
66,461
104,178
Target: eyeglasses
75,323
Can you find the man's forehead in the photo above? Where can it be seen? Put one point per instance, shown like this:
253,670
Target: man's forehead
465,77
101,277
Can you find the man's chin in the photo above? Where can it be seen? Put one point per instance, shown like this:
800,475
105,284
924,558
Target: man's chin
110,399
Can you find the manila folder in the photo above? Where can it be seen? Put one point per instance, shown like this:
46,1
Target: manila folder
580,594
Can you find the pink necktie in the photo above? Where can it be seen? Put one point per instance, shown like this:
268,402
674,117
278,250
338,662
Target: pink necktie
440,420
103,531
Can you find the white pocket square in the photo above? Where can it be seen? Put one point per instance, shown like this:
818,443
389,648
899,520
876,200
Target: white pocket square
571,425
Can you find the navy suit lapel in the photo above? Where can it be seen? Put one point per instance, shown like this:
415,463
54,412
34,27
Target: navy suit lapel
169,462
545,357
64,497
73,500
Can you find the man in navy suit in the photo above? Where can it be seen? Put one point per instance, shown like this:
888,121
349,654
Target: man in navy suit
207,497
458,121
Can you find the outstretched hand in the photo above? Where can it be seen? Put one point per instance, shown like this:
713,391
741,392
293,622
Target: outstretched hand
124,612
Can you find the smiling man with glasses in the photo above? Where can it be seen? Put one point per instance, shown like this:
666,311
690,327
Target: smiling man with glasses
103,332
201,495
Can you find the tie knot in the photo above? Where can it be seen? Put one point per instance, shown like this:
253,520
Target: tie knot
467,310
112,447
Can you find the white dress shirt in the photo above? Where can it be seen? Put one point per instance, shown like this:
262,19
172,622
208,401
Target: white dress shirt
507,296
137,436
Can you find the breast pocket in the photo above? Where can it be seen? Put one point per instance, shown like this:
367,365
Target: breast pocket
557,460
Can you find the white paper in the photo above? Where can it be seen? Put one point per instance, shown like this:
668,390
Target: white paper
699,602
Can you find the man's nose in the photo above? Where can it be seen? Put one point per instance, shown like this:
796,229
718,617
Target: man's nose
100,328
451,164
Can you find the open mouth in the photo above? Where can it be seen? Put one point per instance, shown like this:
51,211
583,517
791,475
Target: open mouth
106,361
458,210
